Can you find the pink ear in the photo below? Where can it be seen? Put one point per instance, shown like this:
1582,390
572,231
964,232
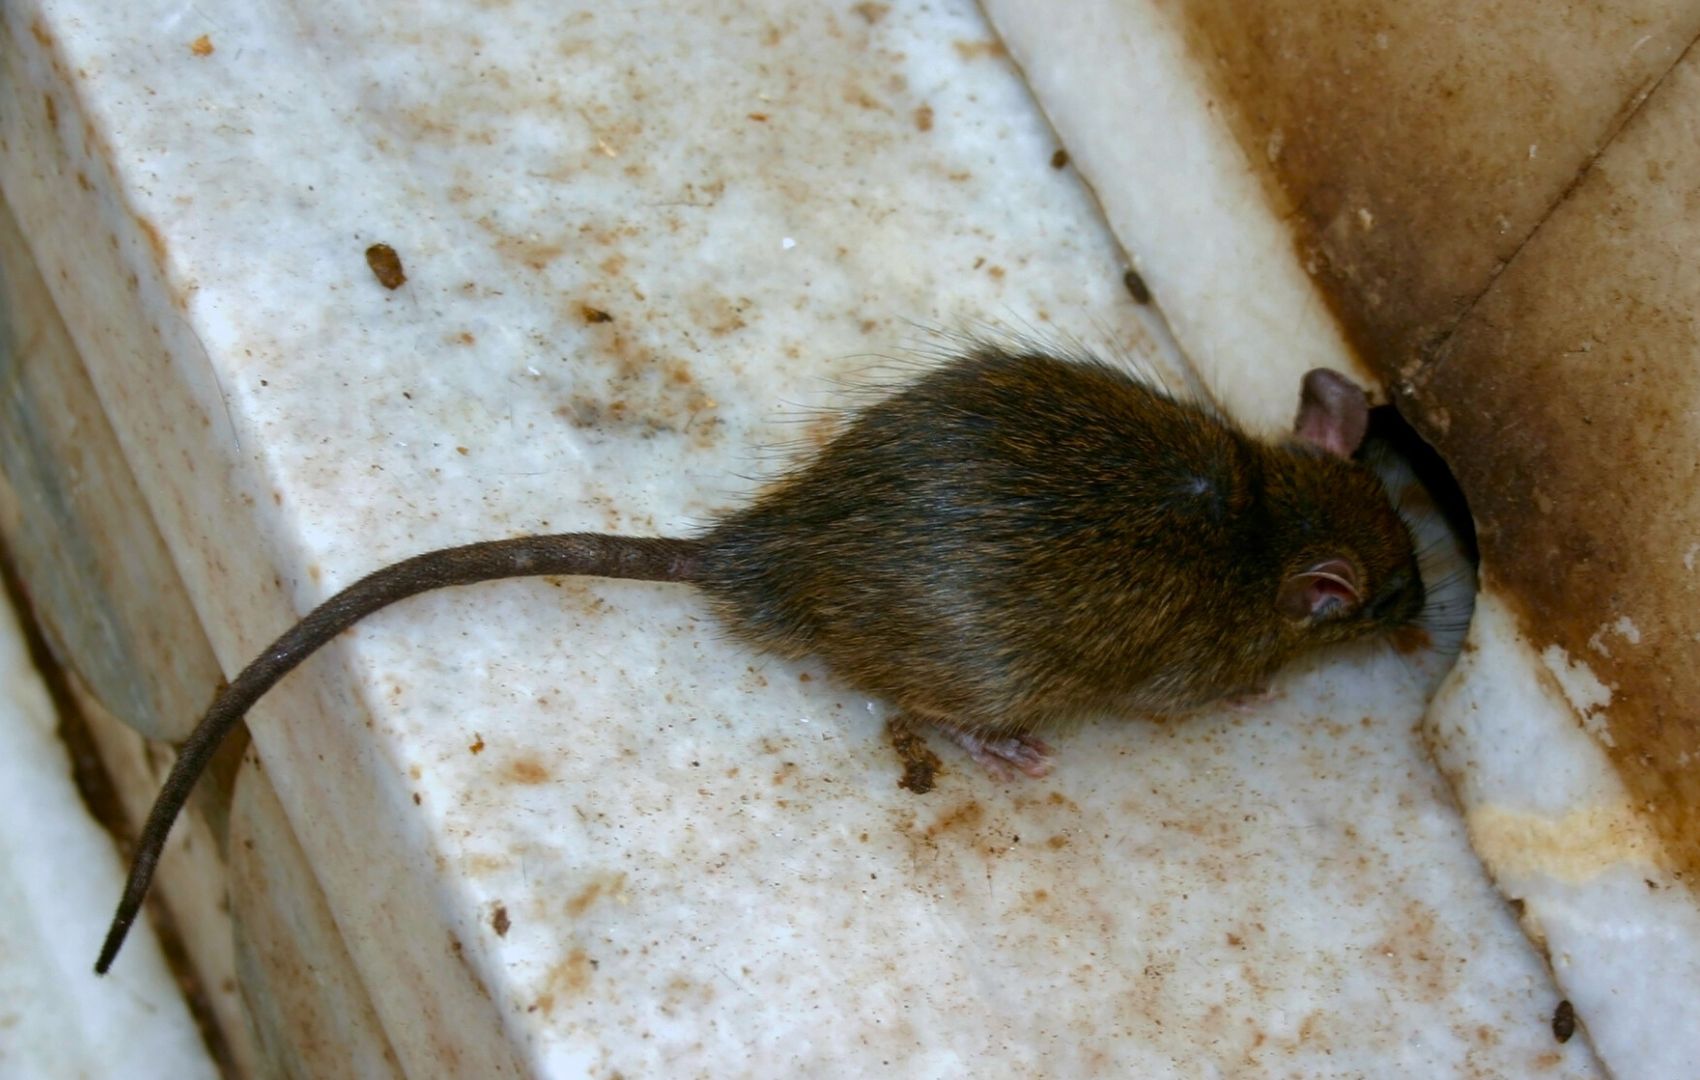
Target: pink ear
1333,413
1328,588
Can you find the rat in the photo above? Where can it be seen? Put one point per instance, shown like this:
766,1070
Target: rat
1012,541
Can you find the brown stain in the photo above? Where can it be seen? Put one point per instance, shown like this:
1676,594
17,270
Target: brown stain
1394,136
604,885
527,771
499,921
51,108
962,817
477,744
593,315
201,46
979,50
532,252
644,393
1416,956
923,118
156,241
1571,430
569,977
872,13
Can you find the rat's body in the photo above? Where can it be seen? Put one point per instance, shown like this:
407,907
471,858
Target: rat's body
1011,542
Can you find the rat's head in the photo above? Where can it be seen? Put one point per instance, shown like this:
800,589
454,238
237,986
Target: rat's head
1349,566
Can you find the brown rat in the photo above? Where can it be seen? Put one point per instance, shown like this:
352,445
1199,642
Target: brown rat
1011,542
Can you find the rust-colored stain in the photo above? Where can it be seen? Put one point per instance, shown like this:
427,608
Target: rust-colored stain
923,118
977,50
1570,424
594,315
569,977
1414,146
156,242
477,744
526,771
959,818
605,885
201,46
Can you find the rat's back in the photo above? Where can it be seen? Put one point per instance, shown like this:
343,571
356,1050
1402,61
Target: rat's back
1011,538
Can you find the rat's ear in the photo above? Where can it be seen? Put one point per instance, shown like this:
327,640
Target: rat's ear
1333,413
1329,588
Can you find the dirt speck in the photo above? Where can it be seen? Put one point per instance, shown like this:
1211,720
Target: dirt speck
386,266
920,764
1136,286
499,920
924,118
201,46
477,744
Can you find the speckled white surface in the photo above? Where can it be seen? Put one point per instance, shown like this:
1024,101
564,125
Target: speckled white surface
1564,838
565,826
58,872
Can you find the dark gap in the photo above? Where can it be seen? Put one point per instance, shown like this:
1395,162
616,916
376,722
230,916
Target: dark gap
1391,430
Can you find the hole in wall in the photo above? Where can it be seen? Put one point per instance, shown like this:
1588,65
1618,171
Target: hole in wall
1433,504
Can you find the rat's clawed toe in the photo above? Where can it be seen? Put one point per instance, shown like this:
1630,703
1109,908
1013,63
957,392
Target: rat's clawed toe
1006,757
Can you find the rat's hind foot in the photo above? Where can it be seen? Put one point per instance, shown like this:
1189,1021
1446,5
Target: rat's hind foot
1251,699
1005,756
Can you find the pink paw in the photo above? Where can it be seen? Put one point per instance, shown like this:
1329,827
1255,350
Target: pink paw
1006,757
1250,700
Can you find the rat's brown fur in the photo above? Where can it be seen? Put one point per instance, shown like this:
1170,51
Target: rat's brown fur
1016,540
1013,541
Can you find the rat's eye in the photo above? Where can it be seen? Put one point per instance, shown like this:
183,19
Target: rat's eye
1391,592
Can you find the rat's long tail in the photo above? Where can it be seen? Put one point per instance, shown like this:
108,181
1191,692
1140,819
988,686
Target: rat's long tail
581,554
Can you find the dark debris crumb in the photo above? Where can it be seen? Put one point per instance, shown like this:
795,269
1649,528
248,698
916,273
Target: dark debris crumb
386,266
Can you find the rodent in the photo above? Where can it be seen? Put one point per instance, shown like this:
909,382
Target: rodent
1010,542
